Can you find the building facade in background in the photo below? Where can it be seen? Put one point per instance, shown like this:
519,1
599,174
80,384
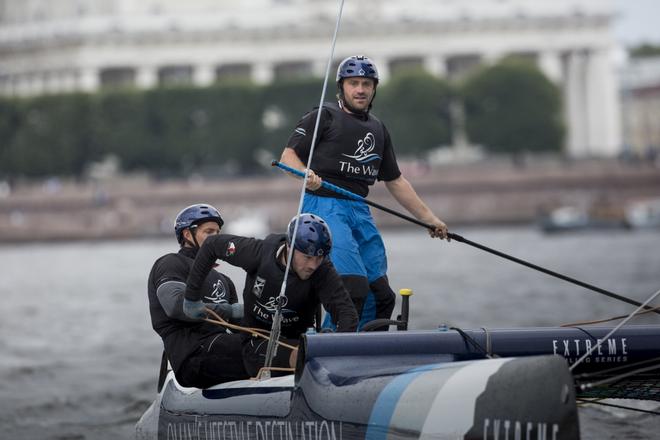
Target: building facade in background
640,97
55,46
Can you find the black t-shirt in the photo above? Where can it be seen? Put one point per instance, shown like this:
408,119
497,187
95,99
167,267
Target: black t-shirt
351,151
181,338
263,281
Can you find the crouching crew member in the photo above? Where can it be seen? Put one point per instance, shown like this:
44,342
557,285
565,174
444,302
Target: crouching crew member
201,354
312,280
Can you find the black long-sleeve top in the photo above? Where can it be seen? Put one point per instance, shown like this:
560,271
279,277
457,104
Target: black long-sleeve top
264,276
181,336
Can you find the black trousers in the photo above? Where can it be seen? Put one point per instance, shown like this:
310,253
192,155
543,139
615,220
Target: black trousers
358,287
218,359
254,355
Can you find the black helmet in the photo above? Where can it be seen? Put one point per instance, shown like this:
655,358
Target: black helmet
312,237
193,215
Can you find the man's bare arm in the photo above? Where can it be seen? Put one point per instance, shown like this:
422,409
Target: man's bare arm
405,194
290,158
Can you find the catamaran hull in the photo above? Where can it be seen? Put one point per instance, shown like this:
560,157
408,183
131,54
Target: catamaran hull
390,396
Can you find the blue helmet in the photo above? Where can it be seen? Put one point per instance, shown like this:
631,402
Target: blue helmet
357,65
313,236
193,215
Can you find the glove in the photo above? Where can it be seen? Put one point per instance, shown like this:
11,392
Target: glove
229,312
194,309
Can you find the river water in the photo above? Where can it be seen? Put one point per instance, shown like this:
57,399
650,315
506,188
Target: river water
80,360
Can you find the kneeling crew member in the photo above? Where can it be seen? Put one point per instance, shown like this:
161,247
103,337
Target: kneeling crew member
313,280
201,354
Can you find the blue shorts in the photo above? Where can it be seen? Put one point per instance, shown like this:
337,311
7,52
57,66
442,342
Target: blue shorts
357,247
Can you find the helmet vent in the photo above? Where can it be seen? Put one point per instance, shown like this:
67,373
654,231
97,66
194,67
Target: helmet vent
355,66
193,215
312,236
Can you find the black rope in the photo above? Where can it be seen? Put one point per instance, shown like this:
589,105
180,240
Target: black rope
474,343
461,239
597,402
550,272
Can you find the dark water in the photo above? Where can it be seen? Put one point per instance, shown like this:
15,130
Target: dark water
79,358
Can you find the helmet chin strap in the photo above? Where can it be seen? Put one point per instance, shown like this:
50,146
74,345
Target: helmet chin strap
282,253
193,244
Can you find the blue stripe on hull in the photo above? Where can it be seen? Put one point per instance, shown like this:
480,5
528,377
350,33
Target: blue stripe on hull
383,409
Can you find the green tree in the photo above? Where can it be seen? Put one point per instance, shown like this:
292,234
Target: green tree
414,106
175,131
9,126
512,107
53,137
119,124
284,103
234,125
645,50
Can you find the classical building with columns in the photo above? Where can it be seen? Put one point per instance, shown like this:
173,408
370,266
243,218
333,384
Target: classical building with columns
641,107
55,46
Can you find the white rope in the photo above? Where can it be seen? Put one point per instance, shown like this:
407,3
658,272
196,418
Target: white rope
277,319
615,329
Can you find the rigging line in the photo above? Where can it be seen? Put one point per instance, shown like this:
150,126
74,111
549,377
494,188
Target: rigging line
612,370
621,324
474,343
614,318
550,272
277,318
597,402
257,333
588,385
224,323
452,236
252,332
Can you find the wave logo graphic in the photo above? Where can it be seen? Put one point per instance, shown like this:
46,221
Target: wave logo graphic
271,305
219,293
363,153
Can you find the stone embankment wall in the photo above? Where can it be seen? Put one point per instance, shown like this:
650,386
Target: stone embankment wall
486,193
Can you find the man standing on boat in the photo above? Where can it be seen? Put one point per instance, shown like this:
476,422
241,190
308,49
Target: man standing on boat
201,354
312,280
353,149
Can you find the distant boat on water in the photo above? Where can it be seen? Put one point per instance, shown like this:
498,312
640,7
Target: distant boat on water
642,214
570,218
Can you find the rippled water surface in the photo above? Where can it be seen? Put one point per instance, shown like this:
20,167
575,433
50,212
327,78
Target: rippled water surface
79,358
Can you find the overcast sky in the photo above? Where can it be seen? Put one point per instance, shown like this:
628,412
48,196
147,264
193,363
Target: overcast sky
638,21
